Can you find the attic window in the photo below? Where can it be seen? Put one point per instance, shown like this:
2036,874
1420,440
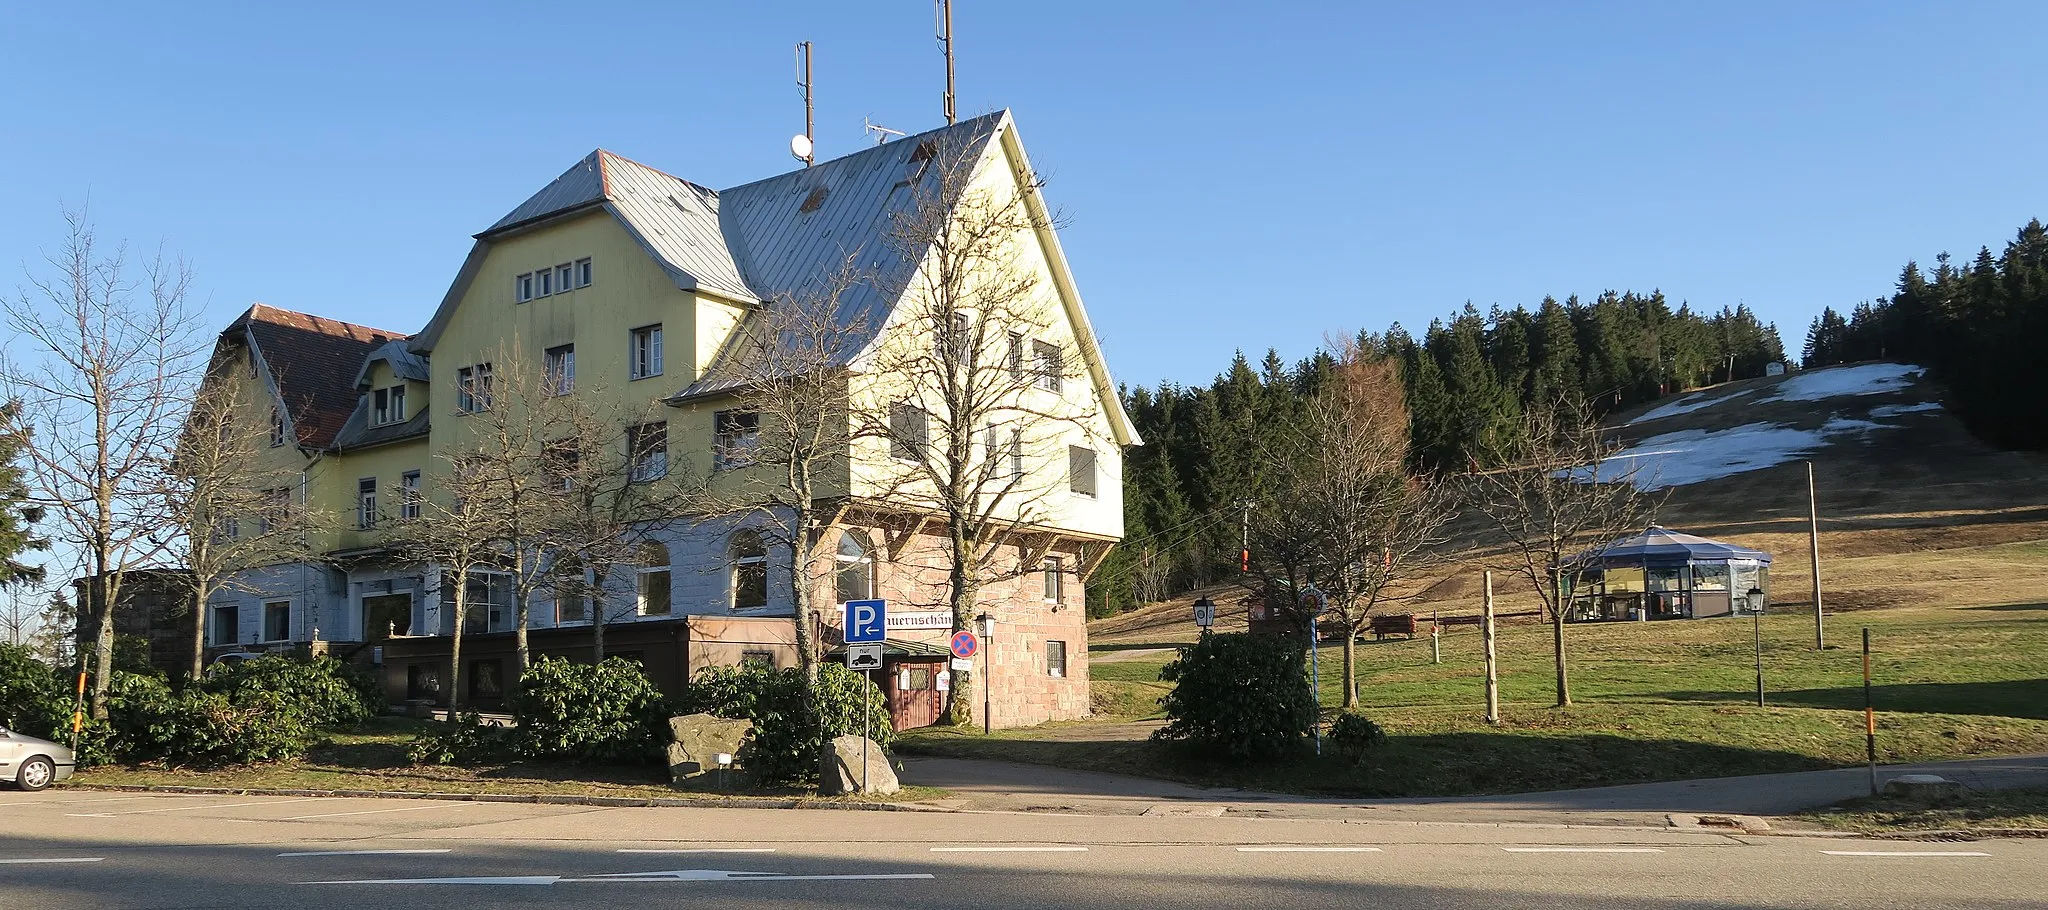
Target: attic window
815,201
920,161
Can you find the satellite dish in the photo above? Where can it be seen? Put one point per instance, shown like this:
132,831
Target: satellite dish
800,146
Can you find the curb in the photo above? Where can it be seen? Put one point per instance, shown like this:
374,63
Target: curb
552,799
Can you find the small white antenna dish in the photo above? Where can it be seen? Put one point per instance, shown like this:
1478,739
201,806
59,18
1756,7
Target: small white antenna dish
800,146
880,132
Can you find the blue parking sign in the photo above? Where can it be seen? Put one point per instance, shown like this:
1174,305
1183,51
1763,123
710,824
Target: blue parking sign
866,620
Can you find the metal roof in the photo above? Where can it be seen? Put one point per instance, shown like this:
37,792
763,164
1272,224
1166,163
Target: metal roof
1661,545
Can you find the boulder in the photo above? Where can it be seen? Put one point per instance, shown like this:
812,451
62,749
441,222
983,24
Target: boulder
695,741
840,769
1931,789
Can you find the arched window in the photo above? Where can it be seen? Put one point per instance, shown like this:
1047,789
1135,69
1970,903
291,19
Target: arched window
749,571
856,564
654,579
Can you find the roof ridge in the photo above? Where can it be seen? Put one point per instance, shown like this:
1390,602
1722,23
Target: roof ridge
256,311
874,149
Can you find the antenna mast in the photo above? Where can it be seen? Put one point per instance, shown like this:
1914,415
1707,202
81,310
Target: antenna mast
803,57
945,12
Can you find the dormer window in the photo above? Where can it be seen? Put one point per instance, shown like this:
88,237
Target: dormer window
276,426
387,406
547,282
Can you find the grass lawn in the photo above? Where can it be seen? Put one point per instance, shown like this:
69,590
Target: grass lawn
374,758
1654,701
2022,809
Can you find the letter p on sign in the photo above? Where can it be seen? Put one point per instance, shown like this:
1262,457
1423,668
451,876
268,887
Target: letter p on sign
866,620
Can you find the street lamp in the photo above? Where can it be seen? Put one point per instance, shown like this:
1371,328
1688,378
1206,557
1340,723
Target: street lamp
1205,613
986,625
1756,617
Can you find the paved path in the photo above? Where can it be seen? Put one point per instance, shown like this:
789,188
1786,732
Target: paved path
995,785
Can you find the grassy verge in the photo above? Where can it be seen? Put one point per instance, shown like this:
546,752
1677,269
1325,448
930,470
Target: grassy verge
374,758
1654,702
1977,810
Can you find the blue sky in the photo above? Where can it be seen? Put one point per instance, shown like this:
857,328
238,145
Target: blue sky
1236,175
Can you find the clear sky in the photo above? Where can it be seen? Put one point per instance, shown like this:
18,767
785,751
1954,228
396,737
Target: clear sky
1236,175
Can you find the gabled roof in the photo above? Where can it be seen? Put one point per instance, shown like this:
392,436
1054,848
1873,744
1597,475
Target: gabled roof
1658,544
310,363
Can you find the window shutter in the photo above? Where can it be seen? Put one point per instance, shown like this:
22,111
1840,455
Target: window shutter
1081,470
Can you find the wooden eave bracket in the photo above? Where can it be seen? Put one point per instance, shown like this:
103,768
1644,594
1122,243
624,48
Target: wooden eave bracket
898,542
1090,561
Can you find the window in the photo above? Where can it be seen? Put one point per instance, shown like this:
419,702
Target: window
583,273
422,681
226,629
473,388
749,571
648,443
645,352
1017,452
1047,365
563,277
558,369
909,432
1017,355
277,620
572,602
1056,659
856,575
387,406
366,503
1081,470
522,287
276,425
486,602
654,579
1054,578
486,679
559,463
545,278
277,506
763,659
956,339
1006,451
738,435
409,495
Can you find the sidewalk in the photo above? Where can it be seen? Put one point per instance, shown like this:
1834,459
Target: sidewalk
1007,786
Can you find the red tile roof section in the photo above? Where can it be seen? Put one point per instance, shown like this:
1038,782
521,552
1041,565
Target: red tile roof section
314,361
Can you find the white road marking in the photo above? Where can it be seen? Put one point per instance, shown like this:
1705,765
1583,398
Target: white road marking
279,802
703,850
1308,850
1009,849
679,875
54,859
361,852
68,802
452,805
1582,850
1903,853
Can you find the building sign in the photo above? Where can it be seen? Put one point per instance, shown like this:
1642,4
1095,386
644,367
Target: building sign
922,619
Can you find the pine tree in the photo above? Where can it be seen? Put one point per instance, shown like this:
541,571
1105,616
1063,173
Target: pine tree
18,515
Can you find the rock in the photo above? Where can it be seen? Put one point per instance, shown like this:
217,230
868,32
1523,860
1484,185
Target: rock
697,739
840,771
1923,788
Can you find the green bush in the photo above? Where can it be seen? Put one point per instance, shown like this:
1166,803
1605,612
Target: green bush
195,727
465,741
34,698
1353,735
326,691
1239,696
788,739
608,712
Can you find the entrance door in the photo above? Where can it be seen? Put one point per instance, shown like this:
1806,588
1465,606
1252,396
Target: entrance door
385,615
913,691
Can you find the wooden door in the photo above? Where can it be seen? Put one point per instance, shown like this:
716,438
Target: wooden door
913,694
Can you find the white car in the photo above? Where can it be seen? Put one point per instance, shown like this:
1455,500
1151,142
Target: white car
31,763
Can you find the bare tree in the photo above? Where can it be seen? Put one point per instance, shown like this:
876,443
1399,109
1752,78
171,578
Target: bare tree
971,386
449,523
223,506
102,397
1561,495
788,435
1348,520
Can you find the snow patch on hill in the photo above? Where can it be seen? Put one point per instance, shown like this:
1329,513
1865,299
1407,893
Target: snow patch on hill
1839,382
1686,405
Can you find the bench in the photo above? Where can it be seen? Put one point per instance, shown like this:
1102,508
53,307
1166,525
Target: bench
1392,624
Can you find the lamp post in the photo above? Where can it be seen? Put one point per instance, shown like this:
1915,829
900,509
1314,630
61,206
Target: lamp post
1756,617
1205,613
986,625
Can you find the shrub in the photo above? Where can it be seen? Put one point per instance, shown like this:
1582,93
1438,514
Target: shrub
465,741
788,739
607,712
33,696
1239,695
325,691
196,727
1353,735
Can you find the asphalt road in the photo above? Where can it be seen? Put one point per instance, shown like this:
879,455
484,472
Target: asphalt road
83,849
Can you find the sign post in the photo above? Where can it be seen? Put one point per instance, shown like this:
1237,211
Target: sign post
1313,600
965,645
867,625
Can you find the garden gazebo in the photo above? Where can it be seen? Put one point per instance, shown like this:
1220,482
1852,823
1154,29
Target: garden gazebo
1663,574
